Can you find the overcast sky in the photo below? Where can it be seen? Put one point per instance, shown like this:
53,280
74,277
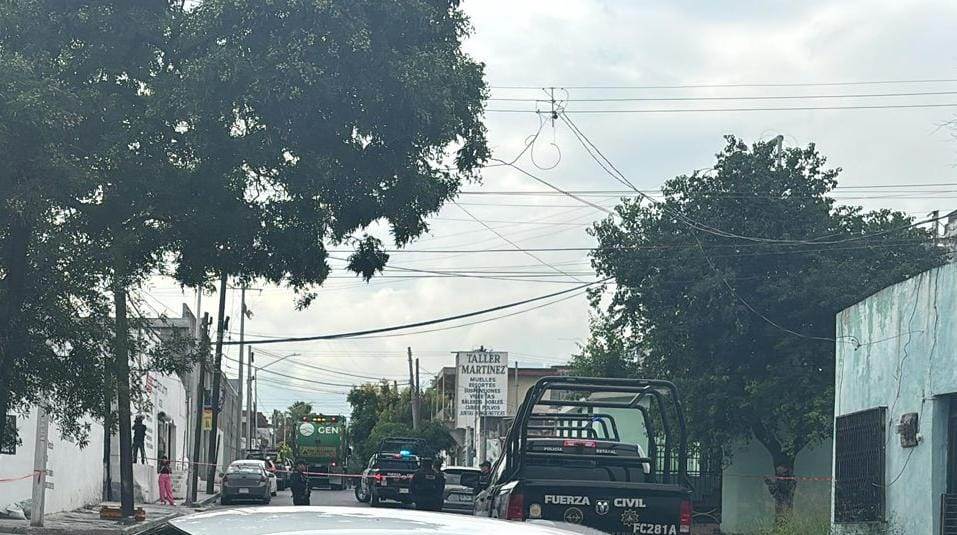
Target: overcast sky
622,43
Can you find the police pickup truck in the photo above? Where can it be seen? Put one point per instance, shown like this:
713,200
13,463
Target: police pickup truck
609,454
390,470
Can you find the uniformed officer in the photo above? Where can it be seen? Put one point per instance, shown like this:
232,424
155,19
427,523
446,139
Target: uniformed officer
428,486
299,484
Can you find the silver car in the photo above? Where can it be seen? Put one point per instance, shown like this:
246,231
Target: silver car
245,481
460,485
352,520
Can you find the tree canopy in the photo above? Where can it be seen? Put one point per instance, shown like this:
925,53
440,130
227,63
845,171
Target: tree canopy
730,285
226,137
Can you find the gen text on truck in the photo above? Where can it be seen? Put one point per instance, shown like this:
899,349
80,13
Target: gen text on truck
609,454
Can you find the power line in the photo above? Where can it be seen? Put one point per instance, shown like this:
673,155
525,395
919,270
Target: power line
742,84
517,246
648,247
586,142
690,223
720,98
274,372
709,110
423,323
543,305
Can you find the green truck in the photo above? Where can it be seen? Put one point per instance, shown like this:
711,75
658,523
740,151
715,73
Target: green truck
321,443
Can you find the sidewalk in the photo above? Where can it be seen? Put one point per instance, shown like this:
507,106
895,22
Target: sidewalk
87,521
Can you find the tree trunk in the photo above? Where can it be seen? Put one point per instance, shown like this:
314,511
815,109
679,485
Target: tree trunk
217,375
121,373
11,338
782,486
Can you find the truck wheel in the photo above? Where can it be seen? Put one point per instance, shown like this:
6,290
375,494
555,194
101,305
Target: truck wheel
361,496
223,500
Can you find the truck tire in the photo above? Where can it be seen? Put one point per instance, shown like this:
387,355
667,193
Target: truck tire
361,496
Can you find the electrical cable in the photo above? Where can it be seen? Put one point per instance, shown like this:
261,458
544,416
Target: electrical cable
517,246
710,110
537,307
583,139
741,84
720,98
446,319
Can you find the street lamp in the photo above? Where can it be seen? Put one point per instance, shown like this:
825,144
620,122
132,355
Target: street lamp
251,413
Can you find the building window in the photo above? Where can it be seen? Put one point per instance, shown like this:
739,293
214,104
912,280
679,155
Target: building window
859,456
10,438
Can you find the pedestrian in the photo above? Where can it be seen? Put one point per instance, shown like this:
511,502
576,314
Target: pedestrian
428,486
166,482
485,475
139,437
299,484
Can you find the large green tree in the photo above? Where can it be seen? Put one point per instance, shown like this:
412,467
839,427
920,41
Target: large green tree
239,137
729,286
323,118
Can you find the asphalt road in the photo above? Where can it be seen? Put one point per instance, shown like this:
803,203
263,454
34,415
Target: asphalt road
319,497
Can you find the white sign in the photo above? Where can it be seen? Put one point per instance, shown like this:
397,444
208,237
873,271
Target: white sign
307,429
481,380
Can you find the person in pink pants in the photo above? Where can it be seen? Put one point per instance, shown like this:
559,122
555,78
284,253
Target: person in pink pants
166,482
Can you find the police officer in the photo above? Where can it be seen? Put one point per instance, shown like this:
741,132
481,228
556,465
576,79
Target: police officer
428,486
299,484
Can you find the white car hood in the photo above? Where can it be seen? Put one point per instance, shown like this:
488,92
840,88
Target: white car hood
353,521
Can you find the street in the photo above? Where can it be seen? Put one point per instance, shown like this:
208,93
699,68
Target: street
339,498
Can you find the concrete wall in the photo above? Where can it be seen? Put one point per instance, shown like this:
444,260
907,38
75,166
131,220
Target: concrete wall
746,504
903,356
77,472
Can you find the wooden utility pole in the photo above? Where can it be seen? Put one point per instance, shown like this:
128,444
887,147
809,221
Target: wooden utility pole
414,397
217,378
200,409
40,467
239,404
418,391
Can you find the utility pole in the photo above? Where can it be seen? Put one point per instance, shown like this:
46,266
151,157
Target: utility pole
239,404
40,467
414,400
515,402
249,401
200,406
418,390
217,378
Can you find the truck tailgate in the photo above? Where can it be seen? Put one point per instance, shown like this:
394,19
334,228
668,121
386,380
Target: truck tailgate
609,506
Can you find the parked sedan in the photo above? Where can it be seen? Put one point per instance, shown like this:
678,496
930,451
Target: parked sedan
245,481
460,485
269,467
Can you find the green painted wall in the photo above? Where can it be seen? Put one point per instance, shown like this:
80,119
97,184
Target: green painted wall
898,349
746,505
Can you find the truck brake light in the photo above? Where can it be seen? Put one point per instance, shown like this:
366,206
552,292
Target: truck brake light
580,443
378,477
685,523
516,507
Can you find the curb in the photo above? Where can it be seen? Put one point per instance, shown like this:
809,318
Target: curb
135,529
